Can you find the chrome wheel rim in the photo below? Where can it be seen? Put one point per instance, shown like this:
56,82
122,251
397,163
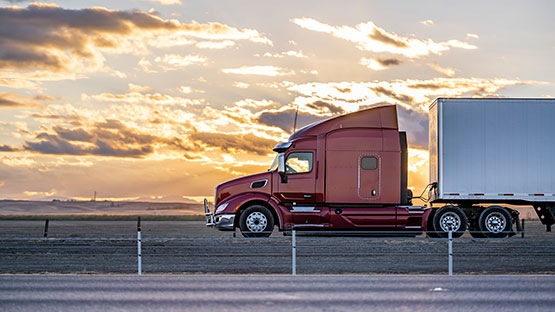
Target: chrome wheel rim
450,220
495,222
256,222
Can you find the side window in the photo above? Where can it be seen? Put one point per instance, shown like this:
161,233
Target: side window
298,163
369,163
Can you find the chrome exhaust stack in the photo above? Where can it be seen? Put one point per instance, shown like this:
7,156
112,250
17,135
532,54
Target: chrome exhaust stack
208,215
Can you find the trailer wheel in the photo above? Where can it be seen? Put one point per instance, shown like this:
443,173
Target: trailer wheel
495,221
450,217
256,221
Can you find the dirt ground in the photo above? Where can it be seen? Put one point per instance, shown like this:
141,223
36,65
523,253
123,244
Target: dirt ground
189,247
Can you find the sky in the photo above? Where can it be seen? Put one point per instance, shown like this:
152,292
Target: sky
161,100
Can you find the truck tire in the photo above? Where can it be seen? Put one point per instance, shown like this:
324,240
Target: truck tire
447,216
430,231
256,221
495,222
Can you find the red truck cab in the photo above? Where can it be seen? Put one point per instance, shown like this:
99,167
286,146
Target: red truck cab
345,173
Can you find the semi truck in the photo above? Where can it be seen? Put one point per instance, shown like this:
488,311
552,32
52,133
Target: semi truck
350,173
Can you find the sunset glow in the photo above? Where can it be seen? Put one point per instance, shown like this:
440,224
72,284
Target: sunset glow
161,100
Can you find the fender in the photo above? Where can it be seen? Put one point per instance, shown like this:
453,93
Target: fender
425,218
236,202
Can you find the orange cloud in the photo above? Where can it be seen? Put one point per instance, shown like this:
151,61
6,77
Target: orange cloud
13,100
47,42
369,37
379,63
412,94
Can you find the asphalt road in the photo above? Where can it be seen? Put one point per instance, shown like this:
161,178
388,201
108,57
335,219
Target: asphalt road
96,247
276,293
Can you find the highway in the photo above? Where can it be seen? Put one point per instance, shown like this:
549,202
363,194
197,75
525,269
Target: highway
275,293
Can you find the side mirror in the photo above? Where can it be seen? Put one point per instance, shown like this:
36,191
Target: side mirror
281,167
281,163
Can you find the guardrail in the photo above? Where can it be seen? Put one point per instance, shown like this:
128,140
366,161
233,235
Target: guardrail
302,252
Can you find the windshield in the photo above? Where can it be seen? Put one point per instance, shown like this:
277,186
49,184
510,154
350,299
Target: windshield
274,164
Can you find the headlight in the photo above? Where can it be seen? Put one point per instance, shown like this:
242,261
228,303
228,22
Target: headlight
221,207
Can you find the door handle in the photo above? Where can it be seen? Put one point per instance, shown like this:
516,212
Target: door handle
373,192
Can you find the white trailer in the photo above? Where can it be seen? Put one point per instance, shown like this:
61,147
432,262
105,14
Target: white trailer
486,151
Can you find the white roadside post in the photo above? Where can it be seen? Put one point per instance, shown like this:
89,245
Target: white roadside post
294,252
139,260
450,252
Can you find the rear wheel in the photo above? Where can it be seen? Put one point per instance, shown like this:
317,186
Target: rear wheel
256,221
495,221
449,218
430,231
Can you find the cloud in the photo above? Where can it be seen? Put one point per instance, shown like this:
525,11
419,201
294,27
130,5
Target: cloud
173,61
134,96
47,42
189,90
298,54
138,88
146,66
13,100
412,94
369,37
418,170
416,125
379,63
473,36
18,83
109,138
45,36
427,22
255,104
235,142
240,85
259,70
167,2
6,148
215,44
445,71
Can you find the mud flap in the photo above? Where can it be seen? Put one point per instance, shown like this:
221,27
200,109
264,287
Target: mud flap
546,213
516,220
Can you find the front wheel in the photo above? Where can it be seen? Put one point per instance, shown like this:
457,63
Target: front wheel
495,221
449,218
256,221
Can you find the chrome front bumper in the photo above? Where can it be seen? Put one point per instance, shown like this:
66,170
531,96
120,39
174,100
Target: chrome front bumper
225,222
221,222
